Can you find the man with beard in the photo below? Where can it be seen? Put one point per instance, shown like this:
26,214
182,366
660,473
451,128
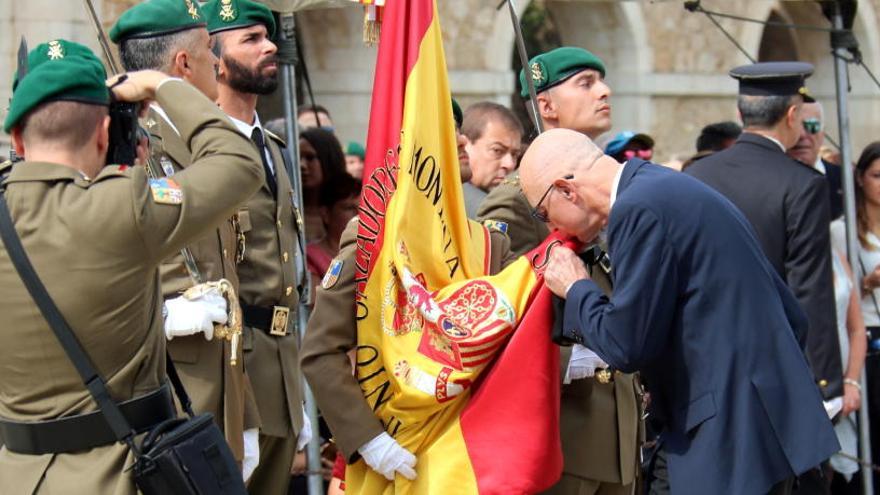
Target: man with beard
170,36
270,270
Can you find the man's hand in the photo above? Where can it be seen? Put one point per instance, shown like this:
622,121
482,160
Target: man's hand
305,434
387,457
251,453
583,363
563,269
136,86
188,317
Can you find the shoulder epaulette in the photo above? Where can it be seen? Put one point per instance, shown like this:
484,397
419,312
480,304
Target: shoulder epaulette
276,137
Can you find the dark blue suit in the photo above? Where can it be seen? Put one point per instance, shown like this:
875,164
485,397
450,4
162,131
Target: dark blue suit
701,312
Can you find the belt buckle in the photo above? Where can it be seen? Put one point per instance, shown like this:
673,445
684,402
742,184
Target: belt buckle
279,321
604,376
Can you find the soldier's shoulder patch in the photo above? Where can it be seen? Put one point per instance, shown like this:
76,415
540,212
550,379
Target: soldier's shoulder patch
166,191
496,225
332,275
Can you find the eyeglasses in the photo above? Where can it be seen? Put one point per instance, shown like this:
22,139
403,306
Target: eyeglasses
643,154
539,215
813,125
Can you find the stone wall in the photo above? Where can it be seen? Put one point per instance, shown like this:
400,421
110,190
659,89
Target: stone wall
667,67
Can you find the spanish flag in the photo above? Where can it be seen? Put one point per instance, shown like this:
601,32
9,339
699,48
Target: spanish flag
457,365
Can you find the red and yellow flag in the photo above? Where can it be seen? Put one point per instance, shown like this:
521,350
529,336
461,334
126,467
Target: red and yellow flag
457,365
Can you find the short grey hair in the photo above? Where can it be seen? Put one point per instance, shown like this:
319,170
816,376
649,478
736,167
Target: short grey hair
155,52
763,112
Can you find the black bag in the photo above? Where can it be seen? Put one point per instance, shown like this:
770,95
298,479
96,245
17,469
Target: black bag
178,456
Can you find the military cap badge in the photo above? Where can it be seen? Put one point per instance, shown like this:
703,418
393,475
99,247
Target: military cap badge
56,51
538,73
192,10
227,11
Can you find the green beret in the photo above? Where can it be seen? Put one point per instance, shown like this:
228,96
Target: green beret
556,66
457,113
157,18
55,76
356,149
54,50
224,15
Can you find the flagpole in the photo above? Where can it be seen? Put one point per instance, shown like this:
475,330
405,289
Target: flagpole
313,449
524,59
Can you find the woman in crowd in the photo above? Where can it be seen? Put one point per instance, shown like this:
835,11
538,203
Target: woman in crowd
338,204
322,162
867,273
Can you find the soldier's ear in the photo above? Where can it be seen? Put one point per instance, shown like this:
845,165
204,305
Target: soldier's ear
102,140
180,64
18,141
546,107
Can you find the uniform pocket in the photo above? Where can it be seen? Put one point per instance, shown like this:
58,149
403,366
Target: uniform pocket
244,220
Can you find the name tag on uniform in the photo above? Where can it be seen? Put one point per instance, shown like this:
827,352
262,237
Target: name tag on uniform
166,191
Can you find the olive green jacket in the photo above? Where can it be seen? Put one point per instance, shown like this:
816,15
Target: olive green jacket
97,243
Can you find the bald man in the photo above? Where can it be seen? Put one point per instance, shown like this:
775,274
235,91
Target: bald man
696,304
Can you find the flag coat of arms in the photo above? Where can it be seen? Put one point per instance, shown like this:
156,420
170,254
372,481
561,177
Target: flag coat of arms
457,364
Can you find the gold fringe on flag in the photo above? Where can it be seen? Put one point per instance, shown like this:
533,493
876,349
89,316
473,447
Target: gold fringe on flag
372,25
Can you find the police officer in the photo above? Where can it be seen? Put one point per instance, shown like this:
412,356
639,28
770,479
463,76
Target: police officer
271,269
171,36
600,419
786,202
96,236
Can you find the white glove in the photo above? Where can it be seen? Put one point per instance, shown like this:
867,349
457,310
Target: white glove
251,453
186,317
387,457
305,434
583,364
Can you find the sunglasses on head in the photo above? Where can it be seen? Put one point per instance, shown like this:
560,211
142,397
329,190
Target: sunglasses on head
812,125
643,154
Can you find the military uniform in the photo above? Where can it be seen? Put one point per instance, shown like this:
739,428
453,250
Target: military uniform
270,284
96,243
214,385
600,423
332,332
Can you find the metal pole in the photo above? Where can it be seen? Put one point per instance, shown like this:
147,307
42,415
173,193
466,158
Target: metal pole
524,60
852,243
313,449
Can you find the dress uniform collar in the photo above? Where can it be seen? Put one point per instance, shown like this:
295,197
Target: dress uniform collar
170,137
44,171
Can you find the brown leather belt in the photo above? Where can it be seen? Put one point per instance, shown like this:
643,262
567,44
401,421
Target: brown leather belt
272,320
86,431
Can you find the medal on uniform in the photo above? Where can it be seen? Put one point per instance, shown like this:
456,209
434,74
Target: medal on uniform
167,165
